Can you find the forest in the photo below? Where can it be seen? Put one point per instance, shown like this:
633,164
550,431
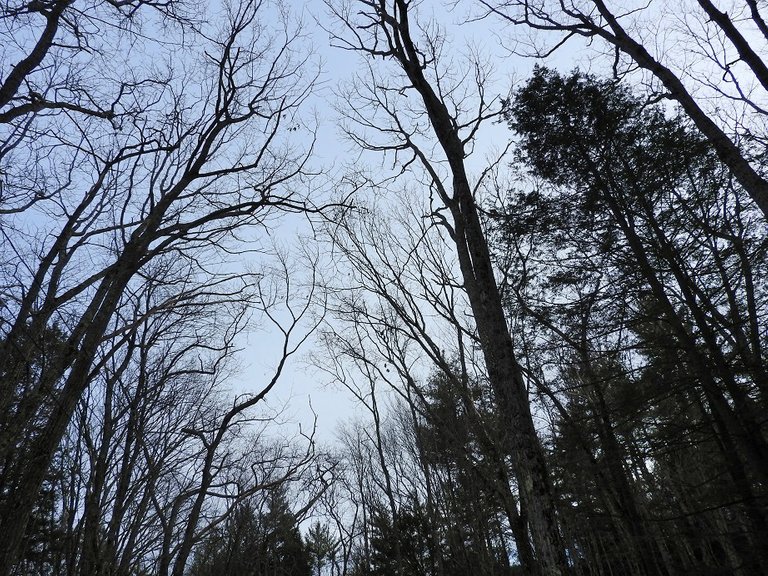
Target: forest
526,241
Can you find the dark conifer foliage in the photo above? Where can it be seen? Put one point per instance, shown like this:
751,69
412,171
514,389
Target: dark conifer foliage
646,270
255,542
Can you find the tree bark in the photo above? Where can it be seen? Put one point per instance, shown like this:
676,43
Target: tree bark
504,372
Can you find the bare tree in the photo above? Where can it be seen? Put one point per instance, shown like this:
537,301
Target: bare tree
400,318
212,435
69,65
435,132
204,153
167,452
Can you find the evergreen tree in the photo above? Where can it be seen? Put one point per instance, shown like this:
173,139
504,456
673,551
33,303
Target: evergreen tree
255,543
321,547
638,267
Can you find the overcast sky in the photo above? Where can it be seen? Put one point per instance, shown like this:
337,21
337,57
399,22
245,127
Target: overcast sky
667,23
304,389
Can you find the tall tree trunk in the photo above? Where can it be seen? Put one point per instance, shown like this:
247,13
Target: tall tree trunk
504,372
505,375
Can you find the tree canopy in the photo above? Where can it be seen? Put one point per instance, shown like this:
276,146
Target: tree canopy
548,310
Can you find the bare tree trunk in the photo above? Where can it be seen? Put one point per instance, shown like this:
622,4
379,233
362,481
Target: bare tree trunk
505,376
391,38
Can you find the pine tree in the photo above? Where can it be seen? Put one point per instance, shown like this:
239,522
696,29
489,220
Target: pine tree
255,543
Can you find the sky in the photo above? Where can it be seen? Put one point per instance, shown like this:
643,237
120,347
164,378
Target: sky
667,26
305,392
